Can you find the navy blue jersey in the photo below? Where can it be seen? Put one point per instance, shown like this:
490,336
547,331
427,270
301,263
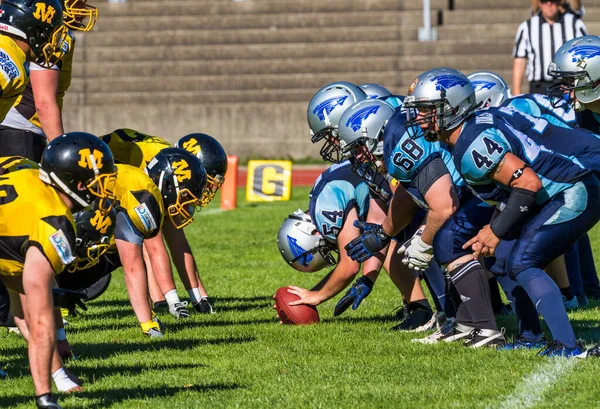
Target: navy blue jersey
335,193
540,106
589,120
395,101
404,157
488,136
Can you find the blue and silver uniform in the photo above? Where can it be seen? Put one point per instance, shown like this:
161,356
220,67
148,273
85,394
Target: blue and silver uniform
407,160
335,193
540,106
569,193
395,101
582,144
589,120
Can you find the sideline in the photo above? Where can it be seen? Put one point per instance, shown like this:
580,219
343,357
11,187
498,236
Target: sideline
533,386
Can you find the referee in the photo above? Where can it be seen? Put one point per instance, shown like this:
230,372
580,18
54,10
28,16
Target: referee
537,41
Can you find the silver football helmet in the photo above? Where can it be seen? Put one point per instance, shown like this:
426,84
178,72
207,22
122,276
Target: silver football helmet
577,62
324,112
302,246
443,97
375,91
490,89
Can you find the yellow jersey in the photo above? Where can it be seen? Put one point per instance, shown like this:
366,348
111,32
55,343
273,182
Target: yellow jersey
14,74
33,214
138,196
23,114
13,163
134,148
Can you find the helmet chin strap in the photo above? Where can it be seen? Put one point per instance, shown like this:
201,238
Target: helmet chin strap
53,179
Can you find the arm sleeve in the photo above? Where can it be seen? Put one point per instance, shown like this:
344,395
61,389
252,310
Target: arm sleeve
429,174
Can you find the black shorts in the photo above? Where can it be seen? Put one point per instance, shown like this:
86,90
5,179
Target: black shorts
82,279
18,142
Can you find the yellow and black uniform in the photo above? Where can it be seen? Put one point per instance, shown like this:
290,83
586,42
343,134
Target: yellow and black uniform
134,148
10,164
33,214
21,123
14,73
138,198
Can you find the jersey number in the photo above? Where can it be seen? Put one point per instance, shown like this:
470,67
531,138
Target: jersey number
7,193
484,160
414,151
331,215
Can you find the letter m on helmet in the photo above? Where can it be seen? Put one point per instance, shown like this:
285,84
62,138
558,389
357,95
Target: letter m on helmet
90,159
182,171
43,12
100,222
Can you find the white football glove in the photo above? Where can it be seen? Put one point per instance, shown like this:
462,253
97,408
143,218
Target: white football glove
417,254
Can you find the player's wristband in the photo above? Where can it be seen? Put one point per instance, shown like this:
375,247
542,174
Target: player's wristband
520,205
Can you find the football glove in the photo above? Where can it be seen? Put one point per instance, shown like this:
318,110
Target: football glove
372,240
354,296
417,254
69,300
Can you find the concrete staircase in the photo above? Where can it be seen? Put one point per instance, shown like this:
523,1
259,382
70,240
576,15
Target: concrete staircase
244,71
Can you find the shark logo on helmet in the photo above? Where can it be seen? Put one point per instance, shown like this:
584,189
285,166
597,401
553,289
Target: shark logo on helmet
481,85
325,107
356,120
298,251
447,81
581,52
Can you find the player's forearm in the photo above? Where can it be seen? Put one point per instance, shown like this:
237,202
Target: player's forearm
401,211
50,118
41,347
435,219
341,277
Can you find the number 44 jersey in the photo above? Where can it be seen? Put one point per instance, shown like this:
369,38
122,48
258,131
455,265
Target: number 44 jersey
490,134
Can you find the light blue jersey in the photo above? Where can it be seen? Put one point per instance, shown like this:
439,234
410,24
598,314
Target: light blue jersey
540,106
335,193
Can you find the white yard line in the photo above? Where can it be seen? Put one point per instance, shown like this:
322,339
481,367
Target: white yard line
531,390
210,211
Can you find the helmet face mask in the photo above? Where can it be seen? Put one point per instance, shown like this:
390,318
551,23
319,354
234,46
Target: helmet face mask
52,51
182,211
78,15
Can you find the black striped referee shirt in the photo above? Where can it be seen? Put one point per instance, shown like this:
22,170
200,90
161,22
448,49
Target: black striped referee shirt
538,41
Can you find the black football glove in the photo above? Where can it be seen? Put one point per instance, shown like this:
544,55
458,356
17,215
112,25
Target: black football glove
371,241
354,296
69,299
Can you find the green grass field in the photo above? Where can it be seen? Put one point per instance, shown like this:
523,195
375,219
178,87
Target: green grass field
242,357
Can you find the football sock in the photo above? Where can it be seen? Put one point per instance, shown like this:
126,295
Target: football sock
471,283
419,305
566,292
527,315
172,297
573,273
437,287
195,296
586,261
62,381
462,312
4,304
495,297
546,297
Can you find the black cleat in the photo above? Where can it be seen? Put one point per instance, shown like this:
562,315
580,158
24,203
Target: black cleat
417,320
205,306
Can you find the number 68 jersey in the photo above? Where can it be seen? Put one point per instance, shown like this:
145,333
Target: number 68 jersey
33,214
335,193
490,134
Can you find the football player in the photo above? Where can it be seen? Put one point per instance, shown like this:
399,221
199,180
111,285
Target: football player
30,31
380,143
338,199
548,200
137,149
36,114
76,169
577,265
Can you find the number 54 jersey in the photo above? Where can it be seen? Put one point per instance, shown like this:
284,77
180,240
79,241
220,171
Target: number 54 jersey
33,214
335,193
489,135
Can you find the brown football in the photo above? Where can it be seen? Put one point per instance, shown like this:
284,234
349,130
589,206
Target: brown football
294,314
